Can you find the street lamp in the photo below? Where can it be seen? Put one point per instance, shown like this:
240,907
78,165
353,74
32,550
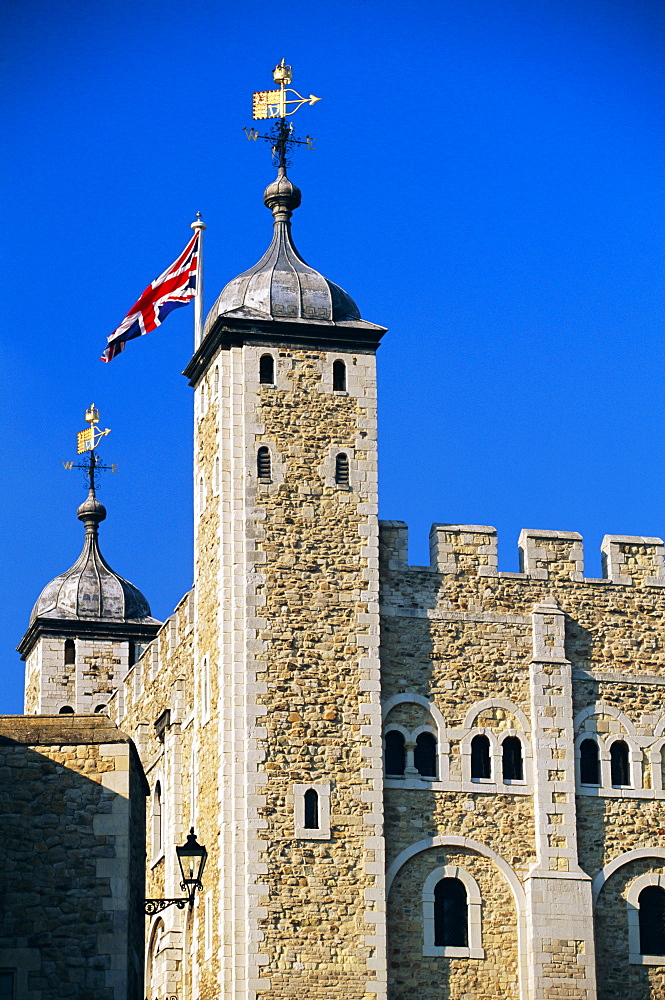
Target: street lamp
192,858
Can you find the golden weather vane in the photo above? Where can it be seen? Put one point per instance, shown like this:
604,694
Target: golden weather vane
275,104
87,441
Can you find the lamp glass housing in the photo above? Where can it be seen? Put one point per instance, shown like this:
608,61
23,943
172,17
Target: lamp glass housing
192,858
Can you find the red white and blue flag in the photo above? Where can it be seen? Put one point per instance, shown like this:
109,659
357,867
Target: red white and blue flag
172,289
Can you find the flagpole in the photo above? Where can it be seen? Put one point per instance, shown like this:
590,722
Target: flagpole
198,299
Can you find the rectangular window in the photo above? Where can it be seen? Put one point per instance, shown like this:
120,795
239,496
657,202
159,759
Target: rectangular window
205,690
207,926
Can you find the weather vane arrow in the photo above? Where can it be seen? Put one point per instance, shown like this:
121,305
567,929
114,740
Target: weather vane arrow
275,104
87,441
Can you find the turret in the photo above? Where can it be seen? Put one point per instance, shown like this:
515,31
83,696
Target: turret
86,629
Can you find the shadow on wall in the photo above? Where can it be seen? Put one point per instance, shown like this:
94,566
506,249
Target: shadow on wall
72,870
431,959
606,831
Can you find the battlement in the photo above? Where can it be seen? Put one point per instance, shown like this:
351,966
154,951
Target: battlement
470,550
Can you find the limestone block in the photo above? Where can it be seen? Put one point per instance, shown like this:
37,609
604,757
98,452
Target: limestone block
551,555
463,550
634,560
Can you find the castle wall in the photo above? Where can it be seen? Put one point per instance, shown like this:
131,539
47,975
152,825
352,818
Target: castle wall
551,657
156,704
72,826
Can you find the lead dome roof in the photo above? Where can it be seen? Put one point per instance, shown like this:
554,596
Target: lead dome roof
282,286
90,589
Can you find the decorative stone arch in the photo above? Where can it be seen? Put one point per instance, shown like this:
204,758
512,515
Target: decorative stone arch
634,760
442,744
601,708
660,727
474,948
392,726
504,868
637,854
415,733
635,955
416,699
495,757
509,706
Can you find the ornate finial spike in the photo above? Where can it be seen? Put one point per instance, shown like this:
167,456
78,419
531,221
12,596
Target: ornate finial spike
198,222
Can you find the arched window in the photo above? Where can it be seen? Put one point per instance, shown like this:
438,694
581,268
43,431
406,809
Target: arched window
215,380
215,481
513,766
589,763
131,653
70,652
481,763
266,369
202,493
450,914
263,463
339,376
342,469
619,768
424,757
99,709
311,810
66,710
652,920
395,753
157,821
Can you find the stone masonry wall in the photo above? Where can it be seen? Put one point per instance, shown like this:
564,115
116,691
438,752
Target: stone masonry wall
456,639
160,689
72,826
317,660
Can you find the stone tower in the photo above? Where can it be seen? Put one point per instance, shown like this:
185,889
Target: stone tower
289,795
86,629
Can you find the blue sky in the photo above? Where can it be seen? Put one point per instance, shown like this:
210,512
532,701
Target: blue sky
488,183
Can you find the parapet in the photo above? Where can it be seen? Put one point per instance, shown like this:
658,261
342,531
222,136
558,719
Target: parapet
461,551
631,559
551,555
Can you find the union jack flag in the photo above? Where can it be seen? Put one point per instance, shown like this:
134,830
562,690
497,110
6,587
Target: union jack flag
172,289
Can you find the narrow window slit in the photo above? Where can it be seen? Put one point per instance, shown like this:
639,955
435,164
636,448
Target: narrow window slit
342,469
395,753
311,809
619,768
589,763
481,764
266,369
424,755
263,465
513,765
339,376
